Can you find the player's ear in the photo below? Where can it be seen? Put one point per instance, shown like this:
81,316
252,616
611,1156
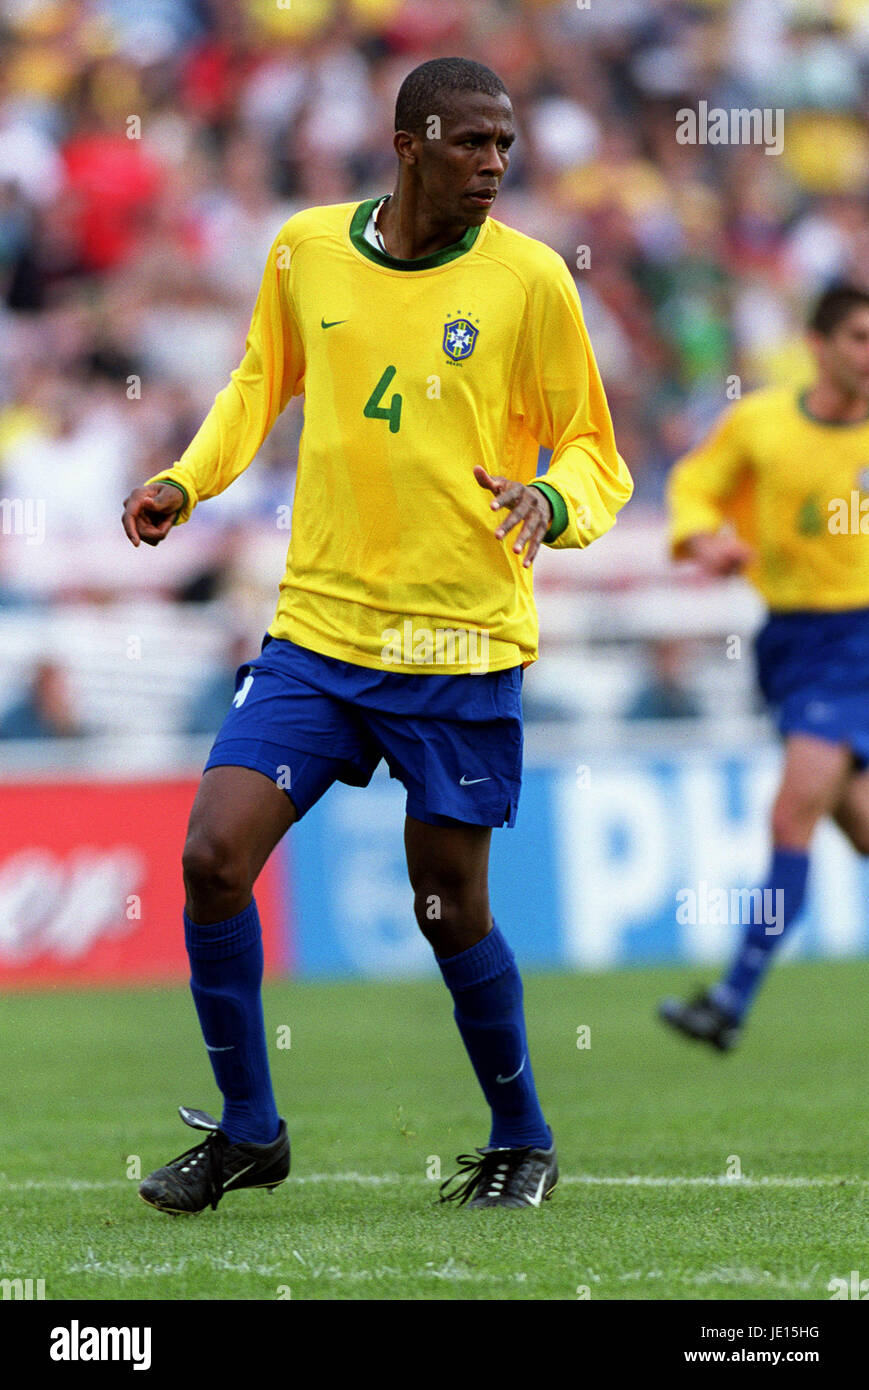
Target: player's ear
404,145
816,341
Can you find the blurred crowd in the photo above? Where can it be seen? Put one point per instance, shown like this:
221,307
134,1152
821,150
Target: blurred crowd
149,154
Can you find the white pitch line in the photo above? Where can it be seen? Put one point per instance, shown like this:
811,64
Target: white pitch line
395,1179
592,1180
101,1185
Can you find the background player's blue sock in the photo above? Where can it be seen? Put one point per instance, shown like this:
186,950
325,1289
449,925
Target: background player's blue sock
787,875
226,963
487,990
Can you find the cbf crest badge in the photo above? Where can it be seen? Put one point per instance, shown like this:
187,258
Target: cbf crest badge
460,339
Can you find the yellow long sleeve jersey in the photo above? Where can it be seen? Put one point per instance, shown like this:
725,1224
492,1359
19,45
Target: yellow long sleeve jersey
413,373
795,489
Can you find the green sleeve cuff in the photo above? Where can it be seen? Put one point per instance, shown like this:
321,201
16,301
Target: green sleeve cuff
559,510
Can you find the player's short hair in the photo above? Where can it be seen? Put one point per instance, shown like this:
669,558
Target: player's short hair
834,306
422,92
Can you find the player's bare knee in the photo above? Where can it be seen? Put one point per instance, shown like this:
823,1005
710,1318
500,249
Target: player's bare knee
444,914
435,910
213,868
793,823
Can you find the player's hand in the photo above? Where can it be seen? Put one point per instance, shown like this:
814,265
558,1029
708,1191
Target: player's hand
718,555
528,505
149,512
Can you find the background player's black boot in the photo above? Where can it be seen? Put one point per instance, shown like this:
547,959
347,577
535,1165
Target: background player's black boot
702,1020
199,1178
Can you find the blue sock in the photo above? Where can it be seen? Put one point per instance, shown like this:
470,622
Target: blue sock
487,990
787,876
226,964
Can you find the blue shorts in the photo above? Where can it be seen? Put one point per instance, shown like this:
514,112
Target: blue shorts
306,721
813,669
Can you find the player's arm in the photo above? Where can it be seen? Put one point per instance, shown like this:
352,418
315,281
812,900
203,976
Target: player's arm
558,391
271,371
698,491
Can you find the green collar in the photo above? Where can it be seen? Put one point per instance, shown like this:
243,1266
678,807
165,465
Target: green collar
831,424
373,253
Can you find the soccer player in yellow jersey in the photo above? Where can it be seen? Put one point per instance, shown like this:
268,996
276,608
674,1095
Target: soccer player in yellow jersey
436,349
780,491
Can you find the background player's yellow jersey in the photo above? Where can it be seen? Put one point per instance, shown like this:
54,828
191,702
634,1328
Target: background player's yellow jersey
412,376
797,492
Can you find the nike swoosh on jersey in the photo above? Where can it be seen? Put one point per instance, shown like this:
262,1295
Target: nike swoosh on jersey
472,781
333,324
502,1080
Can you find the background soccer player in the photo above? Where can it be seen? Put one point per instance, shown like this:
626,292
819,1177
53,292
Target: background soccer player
436,349
792,470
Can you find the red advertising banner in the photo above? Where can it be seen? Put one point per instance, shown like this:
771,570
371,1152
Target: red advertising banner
90,884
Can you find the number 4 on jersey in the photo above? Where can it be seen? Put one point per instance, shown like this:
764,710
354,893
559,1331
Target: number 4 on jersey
374,411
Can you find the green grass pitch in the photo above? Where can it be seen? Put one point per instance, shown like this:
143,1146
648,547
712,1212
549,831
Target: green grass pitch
378,1094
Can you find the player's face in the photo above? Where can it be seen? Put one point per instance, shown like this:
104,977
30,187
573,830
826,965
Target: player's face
844,355
460,173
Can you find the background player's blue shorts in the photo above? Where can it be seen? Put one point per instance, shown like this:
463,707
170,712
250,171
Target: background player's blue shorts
306,721
813,669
